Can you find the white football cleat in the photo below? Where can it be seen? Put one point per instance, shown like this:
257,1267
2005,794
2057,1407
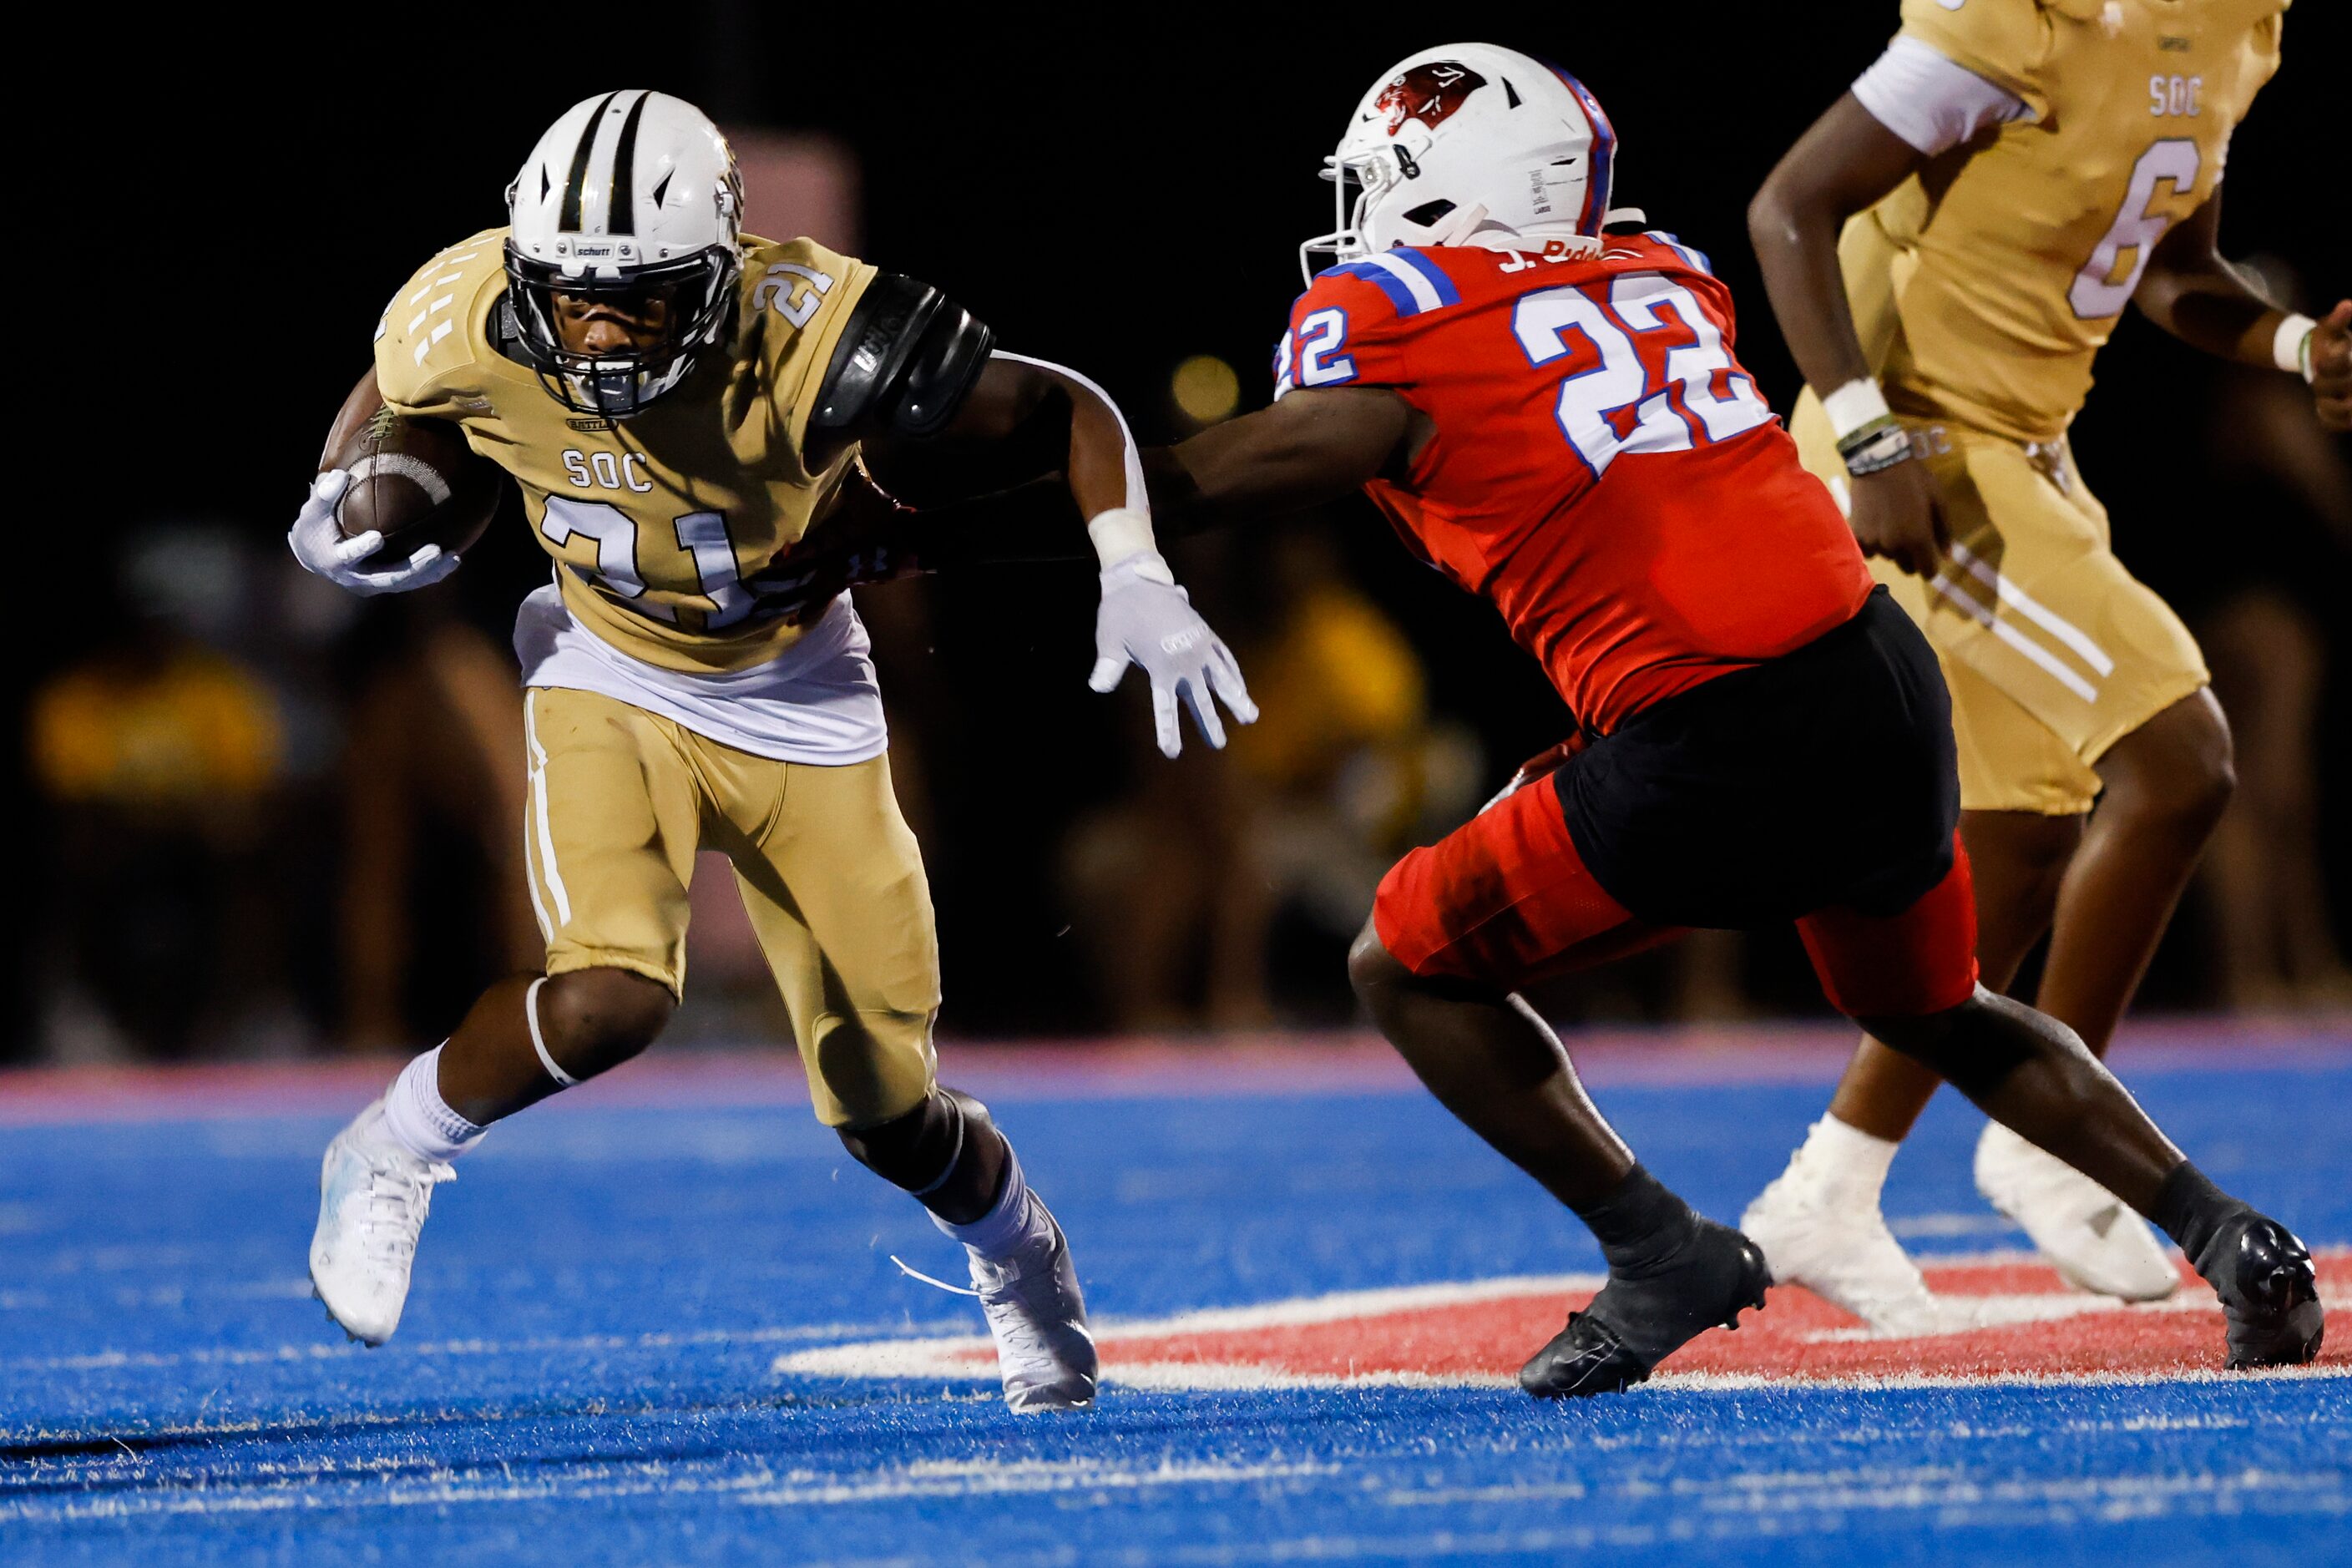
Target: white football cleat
1043,1350
2095,1241
1840,1250
374,1195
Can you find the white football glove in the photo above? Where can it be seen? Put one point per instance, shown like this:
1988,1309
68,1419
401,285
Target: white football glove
1148,621
318,542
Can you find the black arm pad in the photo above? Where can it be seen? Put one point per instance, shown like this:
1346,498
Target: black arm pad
904,363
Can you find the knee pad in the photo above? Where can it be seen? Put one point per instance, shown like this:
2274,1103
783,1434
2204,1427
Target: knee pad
921,1150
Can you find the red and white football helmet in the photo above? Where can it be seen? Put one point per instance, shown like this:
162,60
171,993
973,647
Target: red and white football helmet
1463,140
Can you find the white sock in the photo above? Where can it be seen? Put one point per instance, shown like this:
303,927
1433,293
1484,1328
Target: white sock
1846,1166
419,1119
1000,1232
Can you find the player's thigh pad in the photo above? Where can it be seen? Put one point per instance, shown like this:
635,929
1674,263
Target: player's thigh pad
1505,898
610,826
833,882
1911,964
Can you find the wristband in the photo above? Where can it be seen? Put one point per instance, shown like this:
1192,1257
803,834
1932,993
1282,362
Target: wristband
1120,532
1854,406
2291,345
1877,446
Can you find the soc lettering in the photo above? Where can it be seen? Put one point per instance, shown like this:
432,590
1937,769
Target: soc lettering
607,471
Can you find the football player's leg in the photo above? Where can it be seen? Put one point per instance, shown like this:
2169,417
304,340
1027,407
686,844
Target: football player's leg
613,813
2023,789
1457,927
2166,783
610,827
837,894
2039,666
1819,1222
1906,979
2148,743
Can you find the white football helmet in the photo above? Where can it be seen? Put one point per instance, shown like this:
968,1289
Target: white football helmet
1468,140
630,200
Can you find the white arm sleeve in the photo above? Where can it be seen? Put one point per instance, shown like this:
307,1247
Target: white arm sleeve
1930,103
1138,498
1123,530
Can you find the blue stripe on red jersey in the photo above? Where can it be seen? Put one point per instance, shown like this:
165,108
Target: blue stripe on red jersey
1412,282
1689,253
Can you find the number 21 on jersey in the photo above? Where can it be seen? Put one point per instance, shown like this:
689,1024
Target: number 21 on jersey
701,535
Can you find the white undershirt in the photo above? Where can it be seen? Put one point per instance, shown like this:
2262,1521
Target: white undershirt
1930,101
817,701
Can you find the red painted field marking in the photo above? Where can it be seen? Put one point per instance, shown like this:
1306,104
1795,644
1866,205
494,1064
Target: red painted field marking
2014,1321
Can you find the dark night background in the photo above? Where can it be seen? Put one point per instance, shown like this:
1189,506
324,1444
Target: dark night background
1116,190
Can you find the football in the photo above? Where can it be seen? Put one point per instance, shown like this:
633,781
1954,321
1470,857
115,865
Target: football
417,482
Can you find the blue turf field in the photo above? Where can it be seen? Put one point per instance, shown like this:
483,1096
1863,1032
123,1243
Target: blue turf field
584,1372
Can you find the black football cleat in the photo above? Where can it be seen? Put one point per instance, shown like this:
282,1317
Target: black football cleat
1638,1321
2270,1293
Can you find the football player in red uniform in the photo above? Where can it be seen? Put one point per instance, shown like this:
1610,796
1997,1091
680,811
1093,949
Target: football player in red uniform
1541,395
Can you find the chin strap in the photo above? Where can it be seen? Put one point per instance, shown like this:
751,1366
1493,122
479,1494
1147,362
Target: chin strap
1559,242
1546,239
1466,223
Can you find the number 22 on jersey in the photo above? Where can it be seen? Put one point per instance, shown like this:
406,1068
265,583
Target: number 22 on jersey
1690,395
1679,393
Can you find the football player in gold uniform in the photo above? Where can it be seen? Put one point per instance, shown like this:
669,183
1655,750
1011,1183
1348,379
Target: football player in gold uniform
1947,248
678,403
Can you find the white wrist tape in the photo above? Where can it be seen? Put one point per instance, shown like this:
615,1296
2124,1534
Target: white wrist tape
1120,532
2287,346
1854,406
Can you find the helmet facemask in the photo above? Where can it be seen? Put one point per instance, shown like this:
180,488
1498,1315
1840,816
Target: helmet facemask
686,302
1352,180
1366,185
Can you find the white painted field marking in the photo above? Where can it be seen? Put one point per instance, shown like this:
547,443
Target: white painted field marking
258,1355
757,1486
1942,1225
935,1357
1726,1382
999,1477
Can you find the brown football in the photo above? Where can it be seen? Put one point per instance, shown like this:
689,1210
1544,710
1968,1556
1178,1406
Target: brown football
417,482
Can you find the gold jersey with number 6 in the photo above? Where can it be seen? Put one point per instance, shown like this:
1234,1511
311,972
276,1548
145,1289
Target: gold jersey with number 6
655,521
1982,289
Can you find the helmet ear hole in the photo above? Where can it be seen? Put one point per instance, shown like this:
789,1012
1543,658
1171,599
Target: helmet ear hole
1428,213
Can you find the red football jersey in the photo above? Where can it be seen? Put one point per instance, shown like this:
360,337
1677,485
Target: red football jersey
1602,469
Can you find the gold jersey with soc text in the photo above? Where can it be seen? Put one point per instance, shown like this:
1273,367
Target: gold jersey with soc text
1983,286
655,521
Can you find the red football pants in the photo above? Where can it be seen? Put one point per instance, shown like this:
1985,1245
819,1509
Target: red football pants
1507,899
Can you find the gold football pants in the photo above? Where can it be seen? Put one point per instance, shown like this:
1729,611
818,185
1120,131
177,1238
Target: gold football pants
619,799
2053,652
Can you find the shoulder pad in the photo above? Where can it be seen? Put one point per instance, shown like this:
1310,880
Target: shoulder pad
906,358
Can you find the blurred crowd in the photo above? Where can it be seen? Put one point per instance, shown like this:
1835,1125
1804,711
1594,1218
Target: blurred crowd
272,819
